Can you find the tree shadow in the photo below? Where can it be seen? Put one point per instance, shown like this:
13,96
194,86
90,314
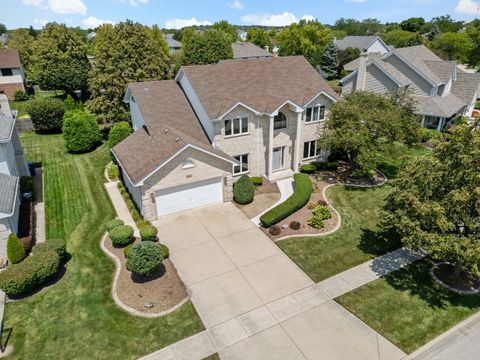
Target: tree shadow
155,274
4,338
379,242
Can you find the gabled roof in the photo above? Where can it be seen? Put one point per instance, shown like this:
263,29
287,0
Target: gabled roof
8,192
6,127
353,65
247,50
172,43
262,84
358,42
442,106
10,58
170,126
466,86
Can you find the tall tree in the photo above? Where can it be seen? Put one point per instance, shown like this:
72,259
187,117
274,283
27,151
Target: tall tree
21,40
259,37
473,31
453,46
435,201
401,38
355,27
305,38
208,47
159,38
446,24
413,24
59,60
227,28
330,62
124,53
3,29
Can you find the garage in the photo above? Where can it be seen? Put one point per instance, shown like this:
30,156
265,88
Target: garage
189,196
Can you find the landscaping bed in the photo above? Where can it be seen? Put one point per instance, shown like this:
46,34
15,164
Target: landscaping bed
266,196
344,175
160,292
465,282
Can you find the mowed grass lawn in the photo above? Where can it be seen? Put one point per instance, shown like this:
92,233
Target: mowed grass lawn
408,307
76,318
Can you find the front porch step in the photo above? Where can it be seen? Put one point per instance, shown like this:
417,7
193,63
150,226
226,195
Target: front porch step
280,175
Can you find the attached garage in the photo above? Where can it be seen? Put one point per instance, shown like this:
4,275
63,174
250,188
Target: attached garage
189,196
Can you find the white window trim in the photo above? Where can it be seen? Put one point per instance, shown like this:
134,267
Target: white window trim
240,164
286,122
239,134
319,108
316,150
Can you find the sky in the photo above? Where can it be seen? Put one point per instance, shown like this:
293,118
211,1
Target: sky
180,13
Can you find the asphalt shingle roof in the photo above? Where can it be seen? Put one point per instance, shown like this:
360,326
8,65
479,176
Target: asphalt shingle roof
441,106
8,191
246,50
356,42
9,58
6,127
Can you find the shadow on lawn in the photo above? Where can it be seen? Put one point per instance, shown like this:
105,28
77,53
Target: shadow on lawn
379,242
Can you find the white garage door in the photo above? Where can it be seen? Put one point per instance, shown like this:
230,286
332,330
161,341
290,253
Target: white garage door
189,196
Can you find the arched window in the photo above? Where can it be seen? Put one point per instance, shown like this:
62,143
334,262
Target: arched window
280,121
188,164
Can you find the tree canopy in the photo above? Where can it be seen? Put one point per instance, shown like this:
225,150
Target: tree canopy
413,24
401,38
435,201
356,27
453,46
59,59
259,37
124,53
473,31
227,28
208,47
22,40
330,62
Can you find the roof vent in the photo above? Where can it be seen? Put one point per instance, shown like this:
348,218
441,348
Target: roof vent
177,139
165,131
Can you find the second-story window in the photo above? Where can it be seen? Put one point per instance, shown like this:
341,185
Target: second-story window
7,72
236,126
315,113
280,121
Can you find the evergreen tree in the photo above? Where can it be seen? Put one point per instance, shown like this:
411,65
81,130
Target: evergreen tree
330,62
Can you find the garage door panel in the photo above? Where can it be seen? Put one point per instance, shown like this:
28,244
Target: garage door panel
189,196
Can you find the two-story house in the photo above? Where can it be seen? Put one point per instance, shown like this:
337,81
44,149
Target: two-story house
12,76
196,134
12,166
441,90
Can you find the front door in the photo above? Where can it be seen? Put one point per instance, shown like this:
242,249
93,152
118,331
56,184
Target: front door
278,159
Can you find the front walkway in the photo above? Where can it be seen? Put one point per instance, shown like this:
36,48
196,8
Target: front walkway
256,303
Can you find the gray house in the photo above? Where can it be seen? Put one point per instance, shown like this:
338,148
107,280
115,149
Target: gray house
368,44
442,91
247,50
173,44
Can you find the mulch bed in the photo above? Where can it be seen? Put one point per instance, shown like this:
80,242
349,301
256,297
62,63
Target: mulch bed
343,176
464,282
162,290
26,224
266,196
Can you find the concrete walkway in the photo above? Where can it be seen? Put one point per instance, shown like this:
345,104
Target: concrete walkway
286,190
39,207
120,206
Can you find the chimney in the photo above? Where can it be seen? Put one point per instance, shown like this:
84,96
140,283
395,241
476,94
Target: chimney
266,48
4,105
362,71
454,71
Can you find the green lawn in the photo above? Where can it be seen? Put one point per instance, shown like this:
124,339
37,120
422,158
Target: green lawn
358,240
408,307
21,106
77,318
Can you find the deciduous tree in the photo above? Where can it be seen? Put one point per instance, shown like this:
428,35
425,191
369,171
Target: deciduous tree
401,38
227,28
453,46
259,37
208,47
21,40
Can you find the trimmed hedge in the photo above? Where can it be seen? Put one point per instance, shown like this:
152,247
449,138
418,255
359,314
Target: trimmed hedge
149,233
121,235
15,250
57,245
144,257
243,190
308,168
46,114
300,197
127,249
113,224
165,251
80,131
30,273
257,180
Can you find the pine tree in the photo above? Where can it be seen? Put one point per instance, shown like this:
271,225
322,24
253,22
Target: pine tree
330,61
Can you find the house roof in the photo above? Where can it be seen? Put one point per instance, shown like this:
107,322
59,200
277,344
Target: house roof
10,58
172,43
466,86
8,192
245,50
442,106
6,126
171,125
356,42
263,84
353,65
420,56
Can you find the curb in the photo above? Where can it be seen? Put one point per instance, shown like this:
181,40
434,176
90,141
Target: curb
117,300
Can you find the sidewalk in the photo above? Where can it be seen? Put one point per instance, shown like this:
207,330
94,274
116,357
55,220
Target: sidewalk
39,207
120,207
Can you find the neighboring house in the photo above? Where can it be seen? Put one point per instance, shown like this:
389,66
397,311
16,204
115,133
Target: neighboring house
368,44
12,77
247,50
242,34
12,166
173,44
91,36
3,39
442,90
198,133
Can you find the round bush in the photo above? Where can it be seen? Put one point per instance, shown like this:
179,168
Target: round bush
165,251
15,249
113,224
21,95
80,131
30,273
121,235
149,233
274,230
119,132
46,114
57,245
295,225
144,257
127,249
308,168
257,180
322,202
322,212
243,190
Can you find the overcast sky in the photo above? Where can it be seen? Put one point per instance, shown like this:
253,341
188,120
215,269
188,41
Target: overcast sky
179,13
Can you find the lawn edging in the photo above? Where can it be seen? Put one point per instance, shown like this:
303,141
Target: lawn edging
339,222
115,296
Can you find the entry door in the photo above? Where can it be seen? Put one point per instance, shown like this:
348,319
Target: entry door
278,159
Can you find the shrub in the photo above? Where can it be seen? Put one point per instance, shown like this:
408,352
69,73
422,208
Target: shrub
21,95
322,202
329,165
144,257
127,249
316,222
165,251
243,190
26,185
70,103
15,250
364,173
149,233
322,212
113,224
80,131
121,235
257,180
430,134
57,245
46,114
295,225
275,230
299,198
113,171
308,168
119,132
477,105
30,273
